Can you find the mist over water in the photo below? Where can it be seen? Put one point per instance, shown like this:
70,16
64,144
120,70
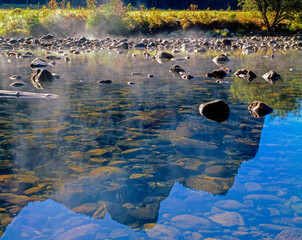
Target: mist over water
123,161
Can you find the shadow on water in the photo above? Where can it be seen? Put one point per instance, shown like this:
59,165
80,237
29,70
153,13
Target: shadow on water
119,149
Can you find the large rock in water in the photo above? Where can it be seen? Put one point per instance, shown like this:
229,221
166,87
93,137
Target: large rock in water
218,73
271,77
221,59
177,69
245,74
164,55
216,110
41,78
38,63
259,109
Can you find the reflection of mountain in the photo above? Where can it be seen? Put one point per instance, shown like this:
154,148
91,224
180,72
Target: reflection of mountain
199,154
119,150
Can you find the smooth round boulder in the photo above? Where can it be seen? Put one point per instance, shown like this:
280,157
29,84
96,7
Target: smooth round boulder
217,110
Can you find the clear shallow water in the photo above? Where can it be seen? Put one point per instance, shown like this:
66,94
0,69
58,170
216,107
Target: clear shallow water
118,161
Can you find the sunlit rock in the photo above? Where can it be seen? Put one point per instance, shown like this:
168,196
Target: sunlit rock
38,63
271,77
245,74
259,109
221,59
216,110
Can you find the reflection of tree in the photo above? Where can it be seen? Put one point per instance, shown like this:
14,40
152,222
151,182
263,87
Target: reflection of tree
284,96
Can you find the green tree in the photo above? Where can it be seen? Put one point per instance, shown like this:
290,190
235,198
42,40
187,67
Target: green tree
273,12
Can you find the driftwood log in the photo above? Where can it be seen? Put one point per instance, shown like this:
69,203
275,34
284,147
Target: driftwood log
19,94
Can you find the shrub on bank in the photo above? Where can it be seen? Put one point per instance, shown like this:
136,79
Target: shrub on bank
117,19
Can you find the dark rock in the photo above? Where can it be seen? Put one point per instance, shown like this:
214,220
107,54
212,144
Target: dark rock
218,73
271,77
177,69
47,37
41,78
259,109
164,55
104,81
245,74
227,42
123,45
216,110
53,57
140,45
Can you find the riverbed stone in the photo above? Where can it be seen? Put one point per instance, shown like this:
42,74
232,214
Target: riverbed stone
86,208
228,219
297,207
187,221
163,232
82,232
229,204
290,234
218,171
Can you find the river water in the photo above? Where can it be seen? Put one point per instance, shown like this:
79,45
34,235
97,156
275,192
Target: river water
120,161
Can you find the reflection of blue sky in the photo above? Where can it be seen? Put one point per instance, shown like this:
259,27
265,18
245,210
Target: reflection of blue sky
277,166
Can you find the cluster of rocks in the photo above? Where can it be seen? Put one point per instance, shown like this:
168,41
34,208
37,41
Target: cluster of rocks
9,46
